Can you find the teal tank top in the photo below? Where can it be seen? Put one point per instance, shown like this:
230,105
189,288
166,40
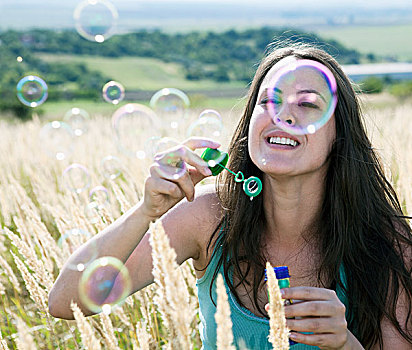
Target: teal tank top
249,331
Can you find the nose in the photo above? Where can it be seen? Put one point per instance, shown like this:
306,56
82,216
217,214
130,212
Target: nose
285,116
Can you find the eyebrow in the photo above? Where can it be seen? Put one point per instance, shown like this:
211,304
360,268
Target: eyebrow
311,91
306,91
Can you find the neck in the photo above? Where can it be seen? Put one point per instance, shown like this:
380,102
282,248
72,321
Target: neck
291,207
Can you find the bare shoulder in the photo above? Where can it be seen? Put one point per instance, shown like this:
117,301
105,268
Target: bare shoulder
196,220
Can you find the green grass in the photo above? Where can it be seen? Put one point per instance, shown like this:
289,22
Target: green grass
391,40
136,73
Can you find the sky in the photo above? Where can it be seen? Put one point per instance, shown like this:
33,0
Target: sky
193,14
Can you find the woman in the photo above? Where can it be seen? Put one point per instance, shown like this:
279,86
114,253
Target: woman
326,211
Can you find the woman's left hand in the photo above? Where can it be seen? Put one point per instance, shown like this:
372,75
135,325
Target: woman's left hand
320,312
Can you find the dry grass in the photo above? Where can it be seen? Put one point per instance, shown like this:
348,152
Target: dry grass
36,209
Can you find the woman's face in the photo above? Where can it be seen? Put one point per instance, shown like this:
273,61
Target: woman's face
302,154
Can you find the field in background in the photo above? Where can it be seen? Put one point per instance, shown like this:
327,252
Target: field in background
36,209
136,73
384,40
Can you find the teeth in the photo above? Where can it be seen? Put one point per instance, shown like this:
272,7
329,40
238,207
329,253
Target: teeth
283,141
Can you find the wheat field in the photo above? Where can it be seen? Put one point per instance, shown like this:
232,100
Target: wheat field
37,208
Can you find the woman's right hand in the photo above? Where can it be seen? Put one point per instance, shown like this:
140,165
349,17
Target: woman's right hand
162,191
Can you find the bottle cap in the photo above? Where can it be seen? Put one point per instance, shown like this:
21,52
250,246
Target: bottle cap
281,272
218,157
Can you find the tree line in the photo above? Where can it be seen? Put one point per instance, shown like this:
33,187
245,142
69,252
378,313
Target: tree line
227,56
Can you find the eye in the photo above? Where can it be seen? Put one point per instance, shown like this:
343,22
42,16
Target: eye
276,100
308,105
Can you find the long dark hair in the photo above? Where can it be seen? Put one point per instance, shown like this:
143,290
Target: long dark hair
361,225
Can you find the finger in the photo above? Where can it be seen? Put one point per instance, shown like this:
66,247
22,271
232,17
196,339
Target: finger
315,325
200,142
308,293
312,308
184,181
186,185
161,186
183,154
196,176
325,340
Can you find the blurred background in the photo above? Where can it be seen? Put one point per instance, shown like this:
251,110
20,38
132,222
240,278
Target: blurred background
208,49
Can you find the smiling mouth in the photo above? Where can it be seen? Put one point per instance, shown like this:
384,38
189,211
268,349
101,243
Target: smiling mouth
284,141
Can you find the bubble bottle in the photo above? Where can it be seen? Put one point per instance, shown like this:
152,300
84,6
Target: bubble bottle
217,161
282,275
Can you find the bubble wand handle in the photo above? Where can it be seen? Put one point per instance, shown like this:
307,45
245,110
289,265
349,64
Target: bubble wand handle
217,160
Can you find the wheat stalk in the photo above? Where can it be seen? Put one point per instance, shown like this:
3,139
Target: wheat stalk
109,336
24,340
279,333
89,340
172,298
10,274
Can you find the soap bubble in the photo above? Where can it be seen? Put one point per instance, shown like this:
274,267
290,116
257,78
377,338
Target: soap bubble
73,239
95,19
134,125
105,284
210,113
113,92
76,178
170,164
170,105
32,91
100,195
78,119
111,167
160,144
57,139
302,97
207,126
99,202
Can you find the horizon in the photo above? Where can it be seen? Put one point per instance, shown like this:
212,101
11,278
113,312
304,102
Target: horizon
184,15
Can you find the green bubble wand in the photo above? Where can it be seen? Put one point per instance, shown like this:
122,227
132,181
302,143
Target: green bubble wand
217,161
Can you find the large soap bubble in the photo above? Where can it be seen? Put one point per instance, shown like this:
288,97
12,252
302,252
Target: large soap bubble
104,284
134,125
302,97
57,139
171,106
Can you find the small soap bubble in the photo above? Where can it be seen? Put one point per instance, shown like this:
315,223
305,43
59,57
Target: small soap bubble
92,212
96,19
302,97
76,178
73,239
111,167
32,91
78,119
57,139
113,92
170,105
170,164
105,284
134,125
99,195
207,126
